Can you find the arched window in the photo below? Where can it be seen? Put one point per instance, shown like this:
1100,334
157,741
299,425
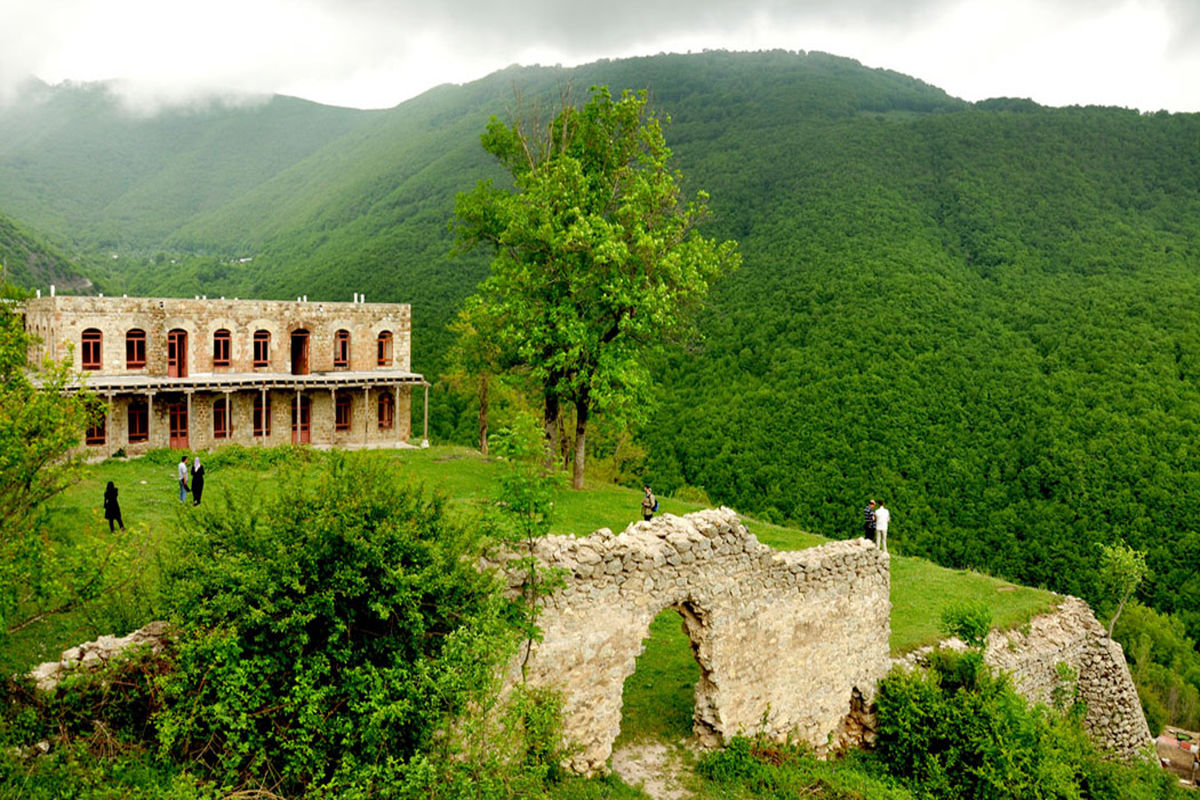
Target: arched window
341,415
262,415
222,419
139,419
341,349
135,349
222,341
385,349
387,410
262,348
90,351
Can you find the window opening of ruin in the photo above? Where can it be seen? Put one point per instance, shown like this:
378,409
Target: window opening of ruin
387,410
262,348
384,349
341,349
135,349
300,352
90,349
222,340
139,420
177,353
659,700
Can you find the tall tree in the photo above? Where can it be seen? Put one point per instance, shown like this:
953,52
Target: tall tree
40,425
596,258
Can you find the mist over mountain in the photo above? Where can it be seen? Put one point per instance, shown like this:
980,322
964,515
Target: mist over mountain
984,313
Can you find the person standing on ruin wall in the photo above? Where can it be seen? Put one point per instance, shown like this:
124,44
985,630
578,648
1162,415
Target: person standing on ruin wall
882,515
869,520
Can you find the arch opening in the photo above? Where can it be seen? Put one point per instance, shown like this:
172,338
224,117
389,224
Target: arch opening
671,694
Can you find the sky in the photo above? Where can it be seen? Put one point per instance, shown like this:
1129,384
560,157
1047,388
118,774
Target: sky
1142,54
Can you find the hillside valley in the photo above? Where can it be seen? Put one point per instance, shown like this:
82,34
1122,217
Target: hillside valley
982,312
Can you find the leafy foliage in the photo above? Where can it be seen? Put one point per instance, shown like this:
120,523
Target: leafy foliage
330,638
594,253
956,730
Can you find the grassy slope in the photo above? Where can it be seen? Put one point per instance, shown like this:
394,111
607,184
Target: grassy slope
920,589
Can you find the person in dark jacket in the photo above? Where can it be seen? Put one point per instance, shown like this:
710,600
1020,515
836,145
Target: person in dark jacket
197,481
869,521
112,509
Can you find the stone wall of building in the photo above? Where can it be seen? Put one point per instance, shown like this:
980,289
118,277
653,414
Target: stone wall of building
787,642
60,321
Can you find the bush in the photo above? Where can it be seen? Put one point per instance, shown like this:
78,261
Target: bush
330,640
956,730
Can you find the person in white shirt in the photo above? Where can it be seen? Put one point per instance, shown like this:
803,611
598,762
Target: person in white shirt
881,526
183,478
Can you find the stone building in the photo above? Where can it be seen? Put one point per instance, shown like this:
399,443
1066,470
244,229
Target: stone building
203,373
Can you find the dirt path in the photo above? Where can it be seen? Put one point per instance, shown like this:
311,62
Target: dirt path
654,766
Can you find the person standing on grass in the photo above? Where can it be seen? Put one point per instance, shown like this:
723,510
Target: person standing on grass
112,509
649,503
197,481
183,478
882,516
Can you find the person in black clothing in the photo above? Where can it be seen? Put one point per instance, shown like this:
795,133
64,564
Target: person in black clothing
112,509
197,481
869,521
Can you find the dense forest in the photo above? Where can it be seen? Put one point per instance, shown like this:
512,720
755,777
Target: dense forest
981,312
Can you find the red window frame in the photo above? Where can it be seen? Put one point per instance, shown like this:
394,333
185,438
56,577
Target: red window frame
139,421
91,342
262,348
262,421
96,433
222,419
387,411
135,348
384,349
222,342
342,412
341,349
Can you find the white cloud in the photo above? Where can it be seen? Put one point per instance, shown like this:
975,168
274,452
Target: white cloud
376,53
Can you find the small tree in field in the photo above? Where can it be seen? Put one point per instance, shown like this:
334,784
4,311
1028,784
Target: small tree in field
596,258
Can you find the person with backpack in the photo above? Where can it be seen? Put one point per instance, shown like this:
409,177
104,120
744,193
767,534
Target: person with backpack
649,503
869,521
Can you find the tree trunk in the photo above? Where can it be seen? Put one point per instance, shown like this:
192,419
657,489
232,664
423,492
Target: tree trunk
550,424
483,414
581,416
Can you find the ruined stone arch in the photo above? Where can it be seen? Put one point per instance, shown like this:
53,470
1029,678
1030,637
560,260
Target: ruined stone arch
786,642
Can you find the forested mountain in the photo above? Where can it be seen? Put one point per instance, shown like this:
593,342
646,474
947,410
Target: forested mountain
26,260
985,313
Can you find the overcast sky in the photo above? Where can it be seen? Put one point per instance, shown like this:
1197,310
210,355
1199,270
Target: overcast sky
1141,54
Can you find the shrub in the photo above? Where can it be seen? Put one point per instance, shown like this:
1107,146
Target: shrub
330,639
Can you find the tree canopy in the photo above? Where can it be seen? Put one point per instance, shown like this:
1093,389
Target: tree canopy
596,257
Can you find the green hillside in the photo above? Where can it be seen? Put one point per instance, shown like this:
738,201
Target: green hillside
26,260
982,312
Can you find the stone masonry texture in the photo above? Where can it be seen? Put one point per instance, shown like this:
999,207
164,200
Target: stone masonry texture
786,641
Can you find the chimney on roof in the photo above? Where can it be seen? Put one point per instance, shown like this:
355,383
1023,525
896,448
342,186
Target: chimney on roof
52,290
